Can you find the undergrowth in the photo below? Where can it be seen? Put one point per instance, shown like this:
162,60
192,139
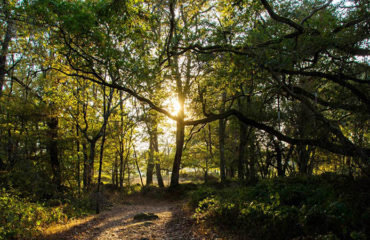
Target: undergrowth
21,218
319,207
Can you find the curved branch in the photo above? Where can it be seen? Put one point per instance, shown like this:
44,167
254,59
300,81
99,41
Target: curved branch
347,107
350,24
316,10
337,79
125,89
281,19
347,150
354,51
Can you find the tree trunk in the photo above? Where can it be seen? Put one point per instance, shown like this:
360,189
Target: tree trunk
206,172
78,177
52,148
114,167
128,173
279,164
303,158
287,158
10,148
138,168
157,162
90,164
252,160
150,165
100,169
116,174
221,138
5,45
208,140
180,135
242,143
84,150
121,147
121,169
159,175
304,121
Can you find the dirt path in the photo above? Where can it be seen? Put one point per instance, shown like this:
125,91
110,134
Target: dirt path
118,223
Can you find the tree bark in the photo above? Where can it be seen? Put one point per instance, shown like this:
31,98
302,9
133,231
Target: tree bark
100,169
157,162
159,175
279,164
78,177
5,45
242,143
180,136
114,171
138,168
123,174
10,148
84,150
303,158
221,139
90,164
121,168
53,151
150,164
121,147
252,159
128,173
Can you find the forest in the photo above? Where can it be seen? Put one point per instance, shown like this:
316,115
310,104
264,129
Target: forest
210,119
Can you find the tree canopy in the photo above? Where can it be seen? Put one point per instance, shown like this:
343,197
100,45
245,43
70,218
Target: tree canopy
287,82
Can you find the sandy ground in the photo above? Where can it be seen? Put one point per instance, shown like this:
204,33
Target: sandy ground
117,223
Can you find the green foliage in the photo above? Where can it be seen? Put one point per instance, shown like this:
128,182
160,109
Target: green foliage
316,77
128,190
201,194
22,219
320,207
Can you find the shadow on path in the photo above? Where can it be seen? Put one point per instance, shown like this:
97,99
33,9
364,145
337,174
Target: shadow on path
118,223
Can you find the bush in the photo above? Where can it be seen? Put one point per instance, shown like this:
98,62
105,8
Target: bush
320,207
20,219
200,194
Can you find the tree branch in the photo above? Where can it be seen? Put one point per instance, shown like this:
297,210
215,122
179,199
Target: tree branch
315,11
281,19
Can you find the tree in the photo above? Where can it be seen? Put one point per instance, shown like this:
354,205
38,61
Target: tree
284,46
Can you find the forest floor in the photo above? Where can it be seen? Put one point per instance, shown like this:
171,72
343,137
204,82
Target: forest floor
174,223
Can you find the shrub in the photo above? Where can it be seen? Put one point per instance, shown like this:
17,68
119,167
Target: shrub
20,219
320,207
200,194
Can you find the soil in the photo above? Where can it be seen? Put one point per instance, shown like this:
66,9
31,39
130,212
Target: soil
174,223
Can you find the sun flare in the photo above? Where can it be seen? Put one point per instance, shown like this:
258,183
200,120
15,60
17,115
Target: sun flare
176,107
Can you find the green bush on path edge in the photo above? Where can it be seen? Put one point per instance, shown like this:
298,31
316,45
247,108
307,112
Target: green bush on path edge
318,207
